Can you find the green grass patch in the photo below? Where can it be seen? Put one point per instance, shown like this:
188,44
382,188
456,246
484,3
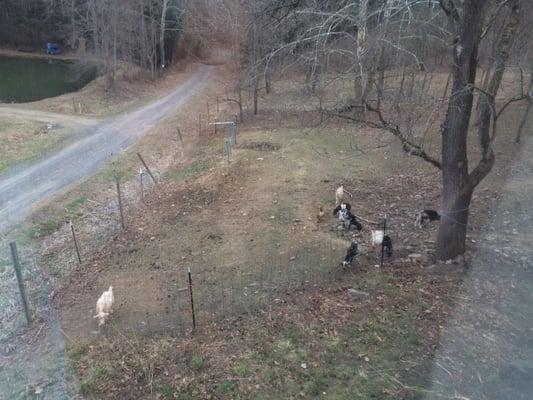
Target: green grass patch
166,390
190,170
44,227
355,363
73,208
227,387
196,362
88,384
242,369
76,352
23,141
292,333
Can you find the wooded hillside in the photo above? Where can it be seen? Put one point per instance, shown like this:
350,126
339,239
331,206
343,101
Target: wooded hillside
143,32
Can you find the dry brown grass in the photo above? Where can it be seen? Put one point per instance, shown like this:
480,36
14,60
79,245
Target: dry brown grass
212,216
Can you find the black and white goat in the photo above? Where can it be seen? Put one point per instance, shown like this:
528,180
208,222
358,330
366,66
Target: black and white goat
345,215
425,217
350,254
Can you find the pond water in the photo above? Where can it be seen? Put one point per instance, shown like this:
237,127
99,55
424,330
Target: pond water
29,79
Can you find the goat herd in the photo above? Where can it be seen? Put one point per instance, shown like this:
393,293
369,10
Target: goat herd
378,238
104,305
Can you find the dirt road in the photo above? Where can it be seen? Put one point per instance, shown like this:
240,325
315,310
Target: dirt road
84,153
48,117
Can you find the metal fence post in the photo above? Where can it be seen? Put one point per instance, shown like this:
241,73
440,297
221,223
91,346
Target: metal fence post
227,144
233,133
117,181
192,300
199,124
383,240
147,168
75,241
20,281
141,173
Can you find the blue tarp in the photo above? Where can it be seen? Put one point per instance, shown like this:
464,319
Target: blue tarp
52,48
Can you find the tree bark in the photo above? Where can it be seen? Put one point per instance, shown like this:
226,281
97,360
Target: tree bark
458,183
256,94
268,80
523,121
446,88
162,33
528,108
451,236
239,94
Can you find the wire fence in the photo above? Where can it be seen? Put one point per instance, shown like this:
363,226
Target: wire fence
239,288
219,291
242,288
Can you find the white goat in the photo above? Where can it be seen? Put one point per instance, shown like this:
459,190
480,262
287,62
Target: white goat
104,306
339,195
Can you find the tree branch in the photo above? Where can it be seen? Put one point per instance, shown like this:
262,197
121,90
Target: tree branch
408,146
450,10
492,18
510,101
487,111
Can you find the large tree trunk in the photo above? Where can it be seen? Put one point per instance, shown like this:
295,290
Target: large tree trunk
455,200
458,183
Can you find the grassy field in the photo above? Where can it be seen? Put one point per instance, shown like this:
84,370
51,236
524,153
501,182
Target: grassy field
22,141
132,88
308,337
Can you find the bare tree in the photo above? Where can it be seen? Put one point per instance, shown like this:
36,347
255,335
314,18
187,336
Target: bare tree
363,35
458,182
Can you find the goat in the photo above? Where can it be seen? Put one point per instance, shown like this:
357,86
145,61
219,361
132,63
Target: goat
342,206
424,217
379,239
339,194
350,254
320,214
104,306
387,245
347,218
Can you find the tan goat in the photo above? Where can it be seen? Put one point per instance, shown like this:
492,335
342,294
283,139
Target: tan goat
104,306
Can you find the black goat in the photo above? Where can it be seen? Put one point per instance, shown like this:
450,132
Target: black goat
387,245
350,254
424,217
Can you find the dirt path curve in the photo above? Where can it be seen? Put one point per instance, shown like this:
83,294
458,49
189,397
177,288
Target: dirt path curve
85,152
48,117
